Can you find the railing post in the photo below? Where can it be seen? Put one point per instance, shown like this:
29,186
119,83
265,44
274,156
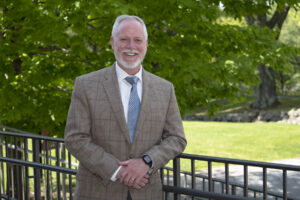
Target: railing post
209,176
70,176
57,173
284,183
227,177
17,170
36,171
209,167
63,158
2,189
245,181
26,175
9,187
47,147
265,189
193,175
176,176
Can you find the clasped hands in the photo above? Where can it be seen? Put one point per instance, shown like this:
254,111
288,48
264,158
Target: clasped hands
133,173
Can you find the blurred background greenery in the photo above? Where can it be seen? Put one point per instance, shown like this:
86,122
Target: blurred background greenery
210,50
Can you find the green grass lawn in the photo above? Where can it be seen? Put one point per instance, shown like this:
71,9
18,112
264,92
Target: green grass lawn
247,141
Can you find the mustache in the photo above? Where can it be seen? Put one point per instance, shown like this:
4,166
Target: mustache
130,51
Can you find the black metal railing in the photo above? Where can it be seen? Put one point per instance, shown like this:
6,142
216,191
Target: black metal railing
203,184
38,167
35,167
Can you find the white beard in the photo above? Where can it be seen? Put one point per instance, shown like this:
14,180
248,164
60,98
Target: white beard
129,65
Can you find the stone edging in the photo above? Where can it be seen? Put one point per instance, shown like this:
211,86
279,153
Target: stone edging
291,117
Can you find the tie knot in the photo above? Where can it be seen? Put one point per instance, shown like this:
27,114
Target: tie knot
132,79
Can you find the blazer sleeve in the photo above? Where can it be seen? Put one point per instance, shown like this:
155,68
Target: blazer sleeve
173,140
78,138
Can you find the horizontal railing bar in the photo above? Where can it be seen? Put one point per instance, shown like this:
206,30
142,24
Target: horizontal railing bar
199,193
9,129
39,165
43,155
241,162
32,136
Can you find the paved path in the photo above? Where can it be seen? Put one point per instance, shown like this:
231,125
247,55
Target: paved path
274,178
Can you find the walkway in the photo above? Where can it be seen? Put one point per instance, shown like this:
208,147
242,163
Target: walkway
274,178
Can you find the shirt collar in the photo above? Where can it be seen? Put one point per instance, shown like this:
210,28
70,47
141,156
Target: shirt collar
121,74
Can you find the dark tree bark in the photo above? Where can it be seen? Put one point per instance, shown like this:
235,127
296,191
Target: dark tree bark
267,88
267,95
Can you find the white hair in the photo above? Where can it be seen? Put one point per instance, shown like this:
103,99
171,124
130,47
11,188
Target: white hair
121,18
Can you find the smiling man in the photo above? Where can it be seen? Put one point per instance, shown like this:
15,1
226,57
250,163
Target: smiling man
123,123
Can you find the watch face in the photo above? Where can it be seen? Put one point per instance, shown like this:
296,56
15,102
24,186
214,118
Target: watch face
148,161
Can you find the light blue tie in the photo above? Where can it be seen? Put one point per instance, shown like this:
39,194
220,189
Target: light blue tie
133,106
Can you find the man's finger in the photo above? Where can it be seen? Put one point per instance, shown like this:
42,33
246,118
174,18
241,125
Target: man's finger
131,181
140,183
128,179
136,186
123,163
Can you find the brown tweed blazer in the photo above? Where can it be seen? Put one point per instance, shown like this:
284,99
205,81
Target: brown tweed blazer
96,134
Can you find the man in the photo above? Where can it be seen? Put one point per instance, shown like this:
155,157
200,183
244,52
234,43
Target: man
123,123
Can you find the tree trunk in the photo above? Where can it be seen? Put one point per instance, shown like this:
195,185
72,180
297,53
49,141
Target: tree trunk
267,95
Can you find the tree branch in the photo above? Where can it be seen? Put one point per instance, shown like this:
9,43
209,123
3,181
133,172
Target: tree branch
250,20
262,19
278,17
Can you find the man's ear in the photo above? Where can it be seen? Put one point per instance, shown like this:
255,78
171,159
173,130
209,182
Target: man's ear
112,42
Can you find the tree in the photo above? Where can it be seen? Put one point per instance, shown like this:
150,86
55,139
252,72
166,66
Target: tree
44,45
267,95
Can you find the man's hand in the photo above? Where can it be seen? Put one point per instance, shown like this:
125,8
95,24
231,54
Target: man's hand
134,173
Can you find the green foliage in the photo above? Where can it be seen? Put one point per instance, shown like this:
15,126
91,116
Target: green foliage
290,33
288,81
44,45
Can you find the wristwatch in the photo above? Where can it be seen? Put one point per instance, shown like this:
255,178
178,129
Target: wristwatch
148,161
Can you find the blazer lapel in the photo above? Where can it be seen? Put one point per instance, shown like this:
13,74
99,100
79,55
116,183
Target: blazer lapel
111,87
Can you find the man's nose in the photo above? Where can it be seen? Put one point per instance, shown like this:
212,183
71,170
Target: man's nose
130,44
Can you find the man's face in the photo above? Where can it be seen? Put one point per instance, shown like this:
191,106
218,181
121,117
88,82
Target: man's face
129,44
